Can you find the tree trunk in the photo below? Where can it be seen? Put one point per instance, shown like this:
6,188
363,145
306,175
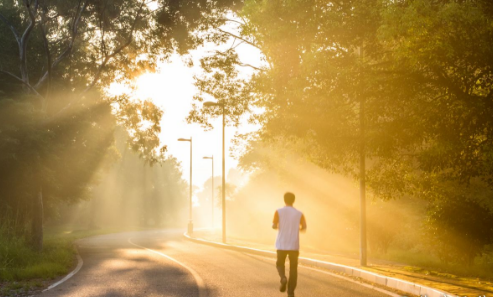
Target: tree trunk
37,221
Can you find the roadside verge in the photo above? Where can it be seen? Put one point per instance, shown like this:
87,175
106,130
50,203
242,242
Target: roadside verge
390,282
77,268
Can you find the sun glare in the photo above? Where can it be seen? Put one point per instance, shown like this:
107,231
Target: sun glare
153,5
149,86
172,88
117,89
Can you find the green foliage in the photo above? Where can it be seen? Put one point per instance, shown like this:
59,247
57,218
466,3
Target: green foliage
442,51
221,81
96,42
459,228
141,120
56,57
416,74
22,144
425,89
33,150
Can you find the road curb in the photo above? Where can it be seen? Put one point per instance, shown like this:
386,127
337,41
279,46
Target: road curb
68,276
390,282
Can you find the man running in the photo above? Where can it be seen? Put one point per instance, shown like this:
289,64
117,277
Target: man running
289,221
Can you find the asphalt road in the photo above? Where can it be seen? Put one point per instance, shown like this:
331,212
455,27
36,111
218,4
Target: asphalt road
163,263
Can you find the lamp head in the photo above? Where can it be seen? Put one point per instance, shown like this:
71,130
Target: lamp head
183,139
210,104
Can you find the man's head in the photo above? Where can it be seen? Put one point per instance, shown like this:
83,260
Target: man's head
289,198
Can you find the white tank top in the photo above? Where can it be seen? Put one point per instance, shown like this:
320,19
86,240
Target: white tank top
288,236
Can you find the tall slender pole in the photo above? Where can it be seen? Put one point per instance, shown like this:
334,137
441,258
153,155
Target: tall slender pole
362,168
190,223
212,193
363,254
224,186
190,217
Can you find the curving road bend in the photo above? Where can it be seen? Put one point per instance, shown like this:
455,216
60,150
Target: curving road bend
163,263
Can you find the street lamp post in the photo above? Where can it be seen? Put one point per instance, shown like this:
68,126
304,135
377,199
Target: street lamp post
212,192
223,187
190,222
363,240
362,176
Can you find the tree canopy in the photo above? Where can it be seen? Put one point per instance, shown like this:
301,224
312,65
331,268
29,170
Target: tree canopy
56,58
415,74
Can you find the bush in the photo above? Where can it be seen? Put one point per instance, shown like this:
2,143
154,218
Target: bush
459,228
484,262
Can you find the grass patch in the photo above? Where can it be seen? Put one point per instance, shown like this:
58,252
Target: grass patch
23,271
19,262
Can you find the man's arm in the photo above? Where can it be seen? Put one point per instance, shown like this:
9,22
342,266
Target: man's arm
275,222
303,223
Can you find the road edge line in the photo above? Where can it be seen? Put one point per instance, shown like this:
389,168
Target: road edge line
80,262
200,282
387,281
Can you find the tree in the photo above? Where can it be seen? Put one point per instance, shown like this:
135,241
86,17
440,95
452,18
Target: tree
421,69
57,58
131,193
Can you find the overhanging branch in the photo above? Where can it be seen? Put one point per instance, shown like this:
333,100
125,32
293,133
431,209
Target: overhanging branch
117,51
251,66
238,37
68,49
22,81
11,26
103,64
25,37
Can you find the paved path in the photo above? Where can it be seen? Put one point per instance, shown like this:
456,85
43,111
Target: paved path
119,265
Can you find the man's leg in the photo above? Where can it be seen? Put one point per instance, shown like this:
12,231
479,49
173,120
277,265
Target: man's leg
293,271
280,263
281,269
